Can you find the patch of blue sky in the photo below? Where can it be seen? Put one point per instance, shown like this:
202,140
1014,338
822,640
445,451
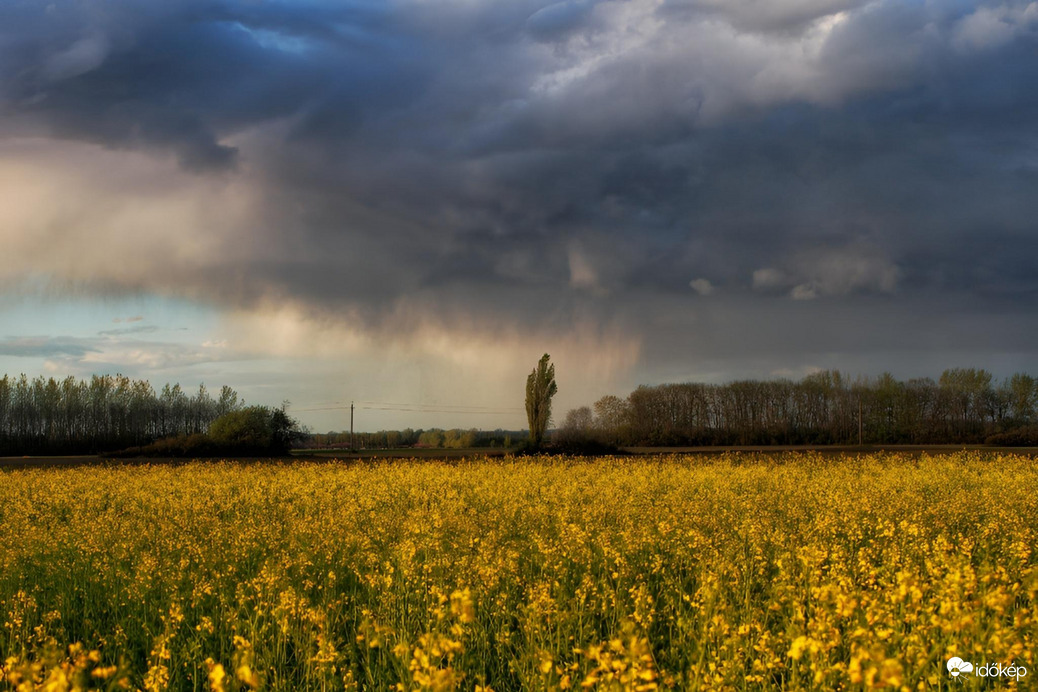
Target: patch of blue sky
88,317
141,336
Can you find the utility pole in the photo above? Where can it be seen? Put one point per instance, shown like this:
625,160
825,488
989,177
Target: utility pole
351,426
859,421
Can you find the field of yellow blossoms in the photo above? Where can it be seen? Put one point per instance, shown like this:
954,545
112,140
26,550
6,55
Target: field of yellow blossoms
792,571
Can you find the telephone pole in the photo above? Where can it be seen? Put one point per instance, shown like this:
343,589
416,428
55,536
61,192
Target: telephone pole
859,421
351,426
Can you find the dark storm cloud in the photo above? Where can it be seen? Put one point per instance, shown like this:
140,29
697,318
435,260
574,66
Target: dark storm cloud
183,75
554,21
483,158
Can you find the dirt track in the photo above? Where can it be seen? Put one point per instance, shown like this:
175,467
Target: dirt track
454,454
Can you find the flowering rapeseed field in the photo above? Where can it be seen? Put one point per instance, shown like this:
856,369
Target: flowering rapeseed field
735,572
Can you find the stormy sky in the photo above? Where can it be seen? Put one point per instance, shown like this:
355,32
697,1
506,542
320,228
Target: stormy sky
409,202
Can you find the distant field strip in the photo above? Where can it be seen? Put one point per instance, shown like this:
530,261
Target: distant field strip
749,571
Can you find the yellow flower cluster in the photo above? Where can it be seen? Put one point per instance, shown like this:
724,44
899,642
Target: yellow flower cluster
52,670
730,572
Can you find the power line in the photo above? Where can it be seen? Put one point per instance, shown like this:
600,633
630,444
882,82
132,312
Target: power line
419,408
434,410
468,406
446,407
411,410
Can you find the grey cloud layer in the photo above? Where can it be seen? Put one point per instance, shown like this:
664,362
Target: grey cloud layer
114,352
482,159
46,347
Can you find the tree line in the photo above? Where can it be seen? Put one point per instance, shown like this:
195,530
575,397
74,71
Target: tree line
965,405
104,413
435,438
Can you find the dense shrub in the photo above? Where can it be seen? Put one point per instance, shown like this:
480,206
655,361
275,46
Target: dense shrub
1020,437
251,431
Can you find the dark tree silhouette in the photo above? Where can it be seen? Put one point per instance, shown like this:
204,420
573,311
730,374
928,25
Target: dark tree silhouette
540,388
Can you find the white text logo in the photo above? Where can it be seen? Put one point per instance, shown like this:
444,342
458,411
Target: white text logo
957,667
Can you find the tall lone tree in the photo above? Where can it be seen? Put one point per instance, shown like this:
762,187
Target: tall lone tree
540,388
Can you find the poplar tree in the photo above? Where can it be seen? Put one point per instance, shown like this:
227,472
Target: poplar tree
540,388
